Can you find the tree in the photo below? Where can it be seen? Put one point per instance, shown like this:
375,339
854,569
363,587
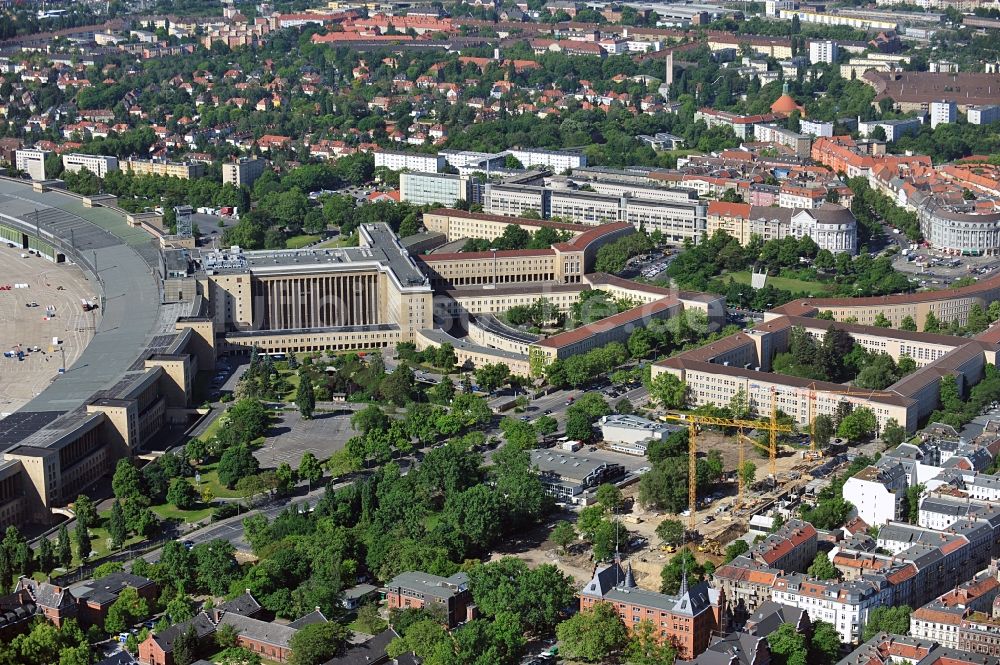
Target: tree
186,646
317,643
931,323
236,463
592,635
563,534
822,568
182,494
546,425
913,495
538,596
735,549
215,566
824,646
670,532
788,646
310,468
881,321
668,390
127,609
609,496
645,648
908,324
823,430
82,537
117,529
747,473
46,556
579,427
237,656
893,434
305,397
86,511
492,375
64,555
858,425
672,573
126,482
894,620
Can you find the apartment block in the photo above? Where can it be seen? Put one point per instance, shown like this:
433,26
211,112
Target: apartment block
243,172
99,165
445,189
31,162
161,167
409,161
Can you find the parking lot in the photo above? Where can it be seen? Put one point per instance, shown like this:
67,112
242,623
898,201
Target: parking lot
291,437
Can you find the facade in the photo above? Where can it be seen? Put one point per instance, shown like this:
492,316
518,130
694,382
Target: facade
243,172
844,604
960,229
409,161
825,51
742,125
160,167
894,129
942,619
617,428
816,128
434,188
687,620
448,595
831,226
943,113
555,160
983,115
31,162
516,200
99,165
569,476
877,493
771,133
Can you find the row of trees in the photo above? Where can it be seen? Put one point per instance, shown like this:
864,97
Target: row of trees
517,237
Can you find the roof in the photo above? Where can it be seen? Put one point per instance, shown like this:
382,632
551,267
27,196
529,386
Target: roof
614,321
202,625
265,632
309,619
244,604
429,585
369,651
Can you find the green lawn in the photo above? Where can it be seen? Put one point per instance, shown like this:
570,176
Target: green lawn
210,478
784,283
212,429
298,242
340,241
168,511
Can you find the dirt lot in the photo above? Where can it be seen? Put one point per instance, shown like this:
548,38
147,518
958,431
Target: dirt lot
27,326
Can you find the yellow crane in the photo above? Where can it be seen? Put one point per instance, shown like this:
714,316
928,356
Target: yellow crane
696,422
854,392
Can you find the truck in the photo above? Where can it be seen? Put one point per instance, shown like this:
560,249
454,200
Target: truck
87,305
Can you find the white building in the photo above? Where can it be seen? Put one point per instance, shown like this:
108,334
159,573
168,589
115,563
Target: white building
877,493
31,162
983,115
99,165
816,127
619,428
845,605
894,129
557,160
242,172
434,188
943,113
409,161
823,51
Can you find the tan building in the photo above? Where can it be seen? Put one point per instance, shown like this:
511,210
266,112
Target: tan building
457,224
183,170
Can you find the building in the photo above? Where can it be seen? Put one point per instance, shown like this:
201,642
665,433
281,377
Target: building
447,596
444,189
687,620
742,125
983,115
916,91
31,162
409,161
845,605
569,476
95,597
770,133
794,196
554,160
632,434
831,226
824,50
816,127
894,129
878,493
943,112
99,165
162,167
965,228
942,619
243,172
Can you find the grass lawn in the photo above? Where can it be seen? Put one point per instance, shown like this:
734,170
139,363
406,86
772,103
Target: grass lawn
784,283
210,478
298,242
99,537
339,241
263,661
212,429
168,511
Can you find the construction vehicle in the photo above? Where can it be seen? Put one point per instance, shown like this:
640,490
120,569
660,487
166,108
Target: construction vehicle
696,422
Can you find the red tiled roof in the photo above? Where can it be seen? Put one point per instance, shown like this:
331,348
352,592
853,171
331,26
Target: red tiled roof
614,321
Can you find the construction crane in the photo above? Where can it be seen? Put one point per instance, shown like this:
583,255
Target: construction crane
854,392
696,422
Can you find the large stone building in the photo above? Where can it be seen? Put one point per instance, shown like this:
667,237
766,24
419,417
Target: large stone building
832,227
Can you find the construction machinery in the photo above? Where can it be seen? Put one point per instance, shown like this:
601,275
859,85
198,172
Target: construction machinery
696,422
854,392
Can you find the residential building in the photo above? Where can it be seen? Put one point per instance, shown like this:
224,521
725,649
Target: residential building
162,167
448,596
943,112
31,162
823,50
816,127
742,125
878,493
845,605
555,160
983,115
894,129
409,161
687,620
243,172
771,133
99,165
942,619
831,226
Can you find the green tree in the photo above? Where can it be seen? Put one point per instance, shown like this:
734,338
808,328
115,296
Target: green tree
310,468
609,496
668,391
186,646
182,494
894,620
913,495
931,323
127,609
823,430
735,549
858,425
672,573
788,646
64,555
893,434
822,568
747,473
85,510
317,643
592,635
537,595
82,537
908,324
117,529
305,396
236,463
824,646
563,534
645,648
546,425
579,427
881,321
491,376
670,532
